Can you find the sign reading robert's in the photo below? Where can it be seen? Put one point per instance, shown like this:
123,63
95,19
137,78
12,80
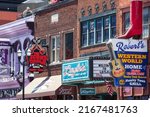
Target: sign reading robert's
129,61
38,59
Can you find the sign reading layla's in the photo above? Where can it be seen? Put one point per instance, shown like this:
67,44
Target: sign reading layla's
75,71
38,58
129,60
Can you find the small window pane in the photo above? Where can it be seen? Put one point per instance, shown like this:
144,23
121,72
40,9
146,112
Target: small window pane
126,21
98,37
58,42
145,31
99,24
106,22
145,15
53,56
113,32
91,27
91,32
91,38
106,35
57,55
113,20
84,27
84,39
98,30
53,43
54,18
69,46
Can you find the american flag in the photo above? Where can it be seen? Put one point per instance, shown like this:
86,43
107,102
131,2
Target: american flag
109,88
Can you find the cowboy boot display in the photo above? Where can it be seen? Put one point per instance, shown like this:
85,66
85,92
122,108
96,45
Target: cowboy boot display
135,28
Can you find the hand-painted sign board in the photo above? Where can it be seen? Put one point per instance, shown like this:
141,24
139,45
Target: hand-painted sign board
129,61
75,71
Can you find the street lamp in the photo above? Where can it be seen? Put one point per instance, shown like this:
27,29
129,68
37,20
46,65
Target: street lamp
27,53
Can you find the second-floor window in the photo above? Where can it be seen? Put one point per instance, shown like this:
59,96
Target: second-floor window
98,30
55,49
68,46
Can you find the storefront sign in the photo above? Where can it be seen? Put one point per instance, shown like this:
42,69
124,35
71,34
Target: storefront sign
75,71
101,69
8,93
134,82
87,91
129,62
38,58
66,90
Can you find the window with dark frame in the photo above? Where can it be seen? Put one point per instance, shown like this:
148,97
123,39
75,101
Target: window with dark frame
98,30
106,28
84,30
68,53
91,32
113,26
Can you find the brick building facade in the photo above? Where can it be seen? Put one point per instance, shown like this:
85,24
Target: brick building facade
57,20
92,10
92,23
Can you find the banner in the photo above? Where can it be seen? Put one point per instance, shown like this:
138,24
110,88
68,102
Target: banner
129,61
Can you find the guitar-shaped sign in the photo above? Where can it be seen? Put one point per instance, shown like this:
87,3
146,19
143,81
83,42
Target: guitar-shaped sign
118,69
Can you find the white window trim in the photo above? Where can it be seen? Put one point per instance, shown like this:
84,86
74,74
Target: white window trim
55,49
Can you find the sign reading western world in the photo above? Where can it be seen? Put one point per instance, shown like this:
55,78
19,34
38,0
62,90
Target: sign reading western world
129,61
75,71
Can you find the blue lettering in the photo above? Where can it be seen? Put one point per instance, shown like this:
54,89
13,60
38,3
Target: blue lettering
122,47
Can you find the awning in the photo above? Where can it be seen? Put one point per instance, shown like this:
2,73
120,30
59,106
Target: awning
40,87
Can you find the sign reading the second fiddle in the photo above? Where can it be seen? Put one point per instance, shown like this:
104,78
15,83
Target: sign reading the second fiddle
129,59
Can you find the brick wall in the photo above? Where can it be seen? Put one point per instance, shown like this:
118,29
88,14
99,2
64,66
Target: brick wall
6,17
84,4
67,22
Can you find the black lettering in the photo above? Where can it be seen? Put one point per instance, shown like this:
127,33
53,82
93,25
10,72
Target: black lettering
13,110
66,110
